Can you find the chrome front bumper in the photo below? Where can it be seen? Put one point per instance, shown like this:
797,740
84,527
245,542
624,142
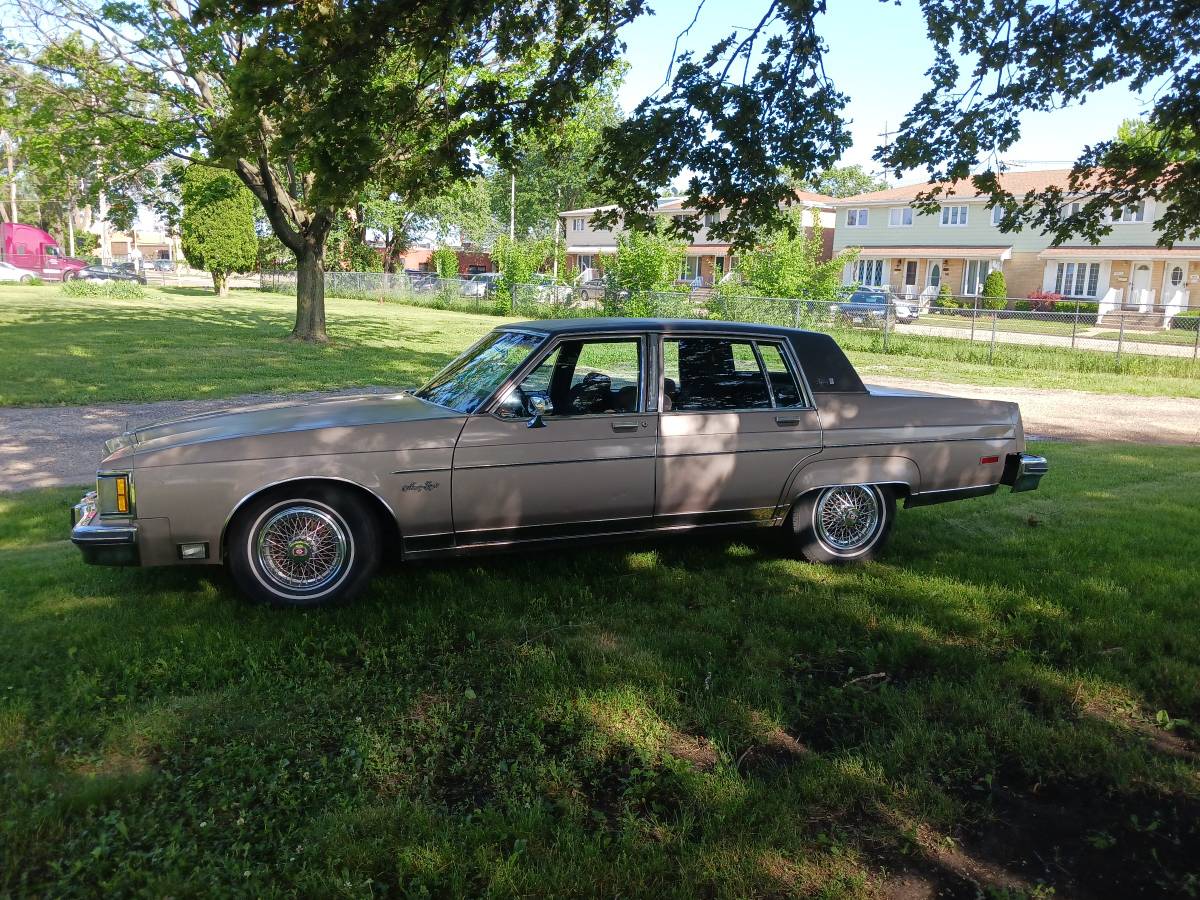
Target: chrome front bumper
1023,471
102,543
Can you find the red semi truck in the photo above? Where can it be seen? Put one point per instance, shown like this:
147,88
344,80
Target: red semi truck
28,247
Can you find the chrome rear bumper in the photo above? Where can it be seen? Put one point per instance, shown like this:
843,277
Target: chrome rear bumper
1024,471
102,543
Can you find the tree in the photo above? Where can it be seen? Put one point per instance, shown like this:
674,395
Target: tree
993,61
218,224
844,181
309,103
788,264
995,290
646,261
553,166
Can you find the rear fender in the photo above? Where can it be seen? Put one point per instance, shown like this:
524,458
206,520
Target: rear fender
899,471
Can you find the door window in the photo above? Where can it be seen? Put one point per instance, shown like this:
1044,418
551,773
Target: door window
784,383
1177,276
583,378
910,272
935,275
710,374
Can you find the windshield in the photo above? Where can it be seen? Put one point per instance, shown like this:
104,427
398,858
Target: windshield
473,377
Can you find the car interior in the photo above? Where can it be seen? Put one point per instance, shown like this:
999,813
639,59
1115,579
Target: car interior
587,378
718,374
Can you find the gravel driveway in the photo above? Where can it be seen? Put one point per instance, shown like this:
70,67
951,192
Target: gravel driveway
48,446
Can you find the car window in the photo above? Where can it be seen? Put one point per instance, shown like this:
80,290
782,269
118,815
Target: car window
586,378
473,377
784,382
712,374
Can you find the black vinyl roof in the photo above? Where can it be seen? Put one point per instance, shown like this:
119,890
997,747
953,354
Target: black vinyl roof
824,362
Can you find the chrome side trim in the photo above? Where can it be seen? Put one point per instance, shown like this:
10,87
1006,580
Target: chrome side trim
274,484
553,462
948,495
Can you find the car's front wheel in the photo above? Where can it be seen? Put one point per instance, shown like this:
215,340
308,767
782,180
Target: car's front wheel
843,523
305,548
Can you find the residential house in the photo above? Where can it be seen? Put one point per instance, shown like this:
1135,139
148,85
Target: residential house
915,253
708,258
141,244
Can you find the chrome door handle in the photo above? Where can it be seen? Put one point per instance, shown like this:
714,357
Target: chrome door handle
624,426
787,420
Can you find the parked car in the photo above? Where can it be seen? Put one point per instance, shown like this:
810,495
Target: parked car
120,272
421,282
481,285
543,432
163,265
547,290
9,272
867,306
30,248
594,290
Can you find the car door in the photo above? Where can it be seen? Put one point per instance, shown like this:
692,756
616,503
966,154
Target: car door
585,465
736,420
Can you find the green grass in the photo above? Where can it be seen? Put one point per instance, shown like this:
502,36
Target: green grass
697,717
1174,336
181,343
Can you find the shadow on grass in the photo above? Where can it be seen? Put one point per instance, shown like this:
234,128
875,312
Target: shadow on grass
684,716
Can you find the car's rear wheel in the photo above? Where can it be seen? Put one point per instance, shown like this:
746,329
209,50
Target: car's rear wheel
318,546
842,524
25,279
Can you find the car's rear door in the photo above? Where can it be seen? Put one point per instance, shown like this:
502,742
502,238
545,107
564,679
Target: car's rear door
586,466
736,420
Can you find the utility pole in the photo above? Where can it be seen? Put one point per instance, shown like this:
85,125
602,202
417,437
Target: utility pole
12,181
512,206
557,222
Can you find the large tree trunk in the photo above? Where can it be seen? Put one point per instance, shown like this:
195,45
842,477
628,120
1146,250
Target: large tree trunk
310,294
221,284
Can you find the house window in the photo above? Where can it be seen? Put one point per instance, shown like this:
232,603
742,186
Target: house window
869,272
954,215
1077,279
711,218
1133,213
1177,276
975,273
997,214
577,223
691,268
856,218
900,217
585,261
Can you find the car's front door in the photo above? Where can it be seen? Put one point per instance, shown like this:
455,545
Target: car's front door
585,465
736,420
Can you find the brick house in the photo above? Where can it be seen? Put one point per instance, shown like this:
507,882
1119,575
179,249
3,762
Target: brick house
915,253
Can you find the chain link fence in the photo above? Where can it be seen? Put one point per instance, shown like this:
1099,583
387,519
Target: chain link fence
866,320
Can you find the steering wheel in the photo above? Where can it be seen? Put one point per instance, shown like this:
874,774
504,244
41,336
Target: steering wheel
595,388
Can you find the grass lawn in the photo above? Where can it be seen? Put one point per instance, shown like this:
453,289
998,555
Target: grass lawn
1008,701
183,343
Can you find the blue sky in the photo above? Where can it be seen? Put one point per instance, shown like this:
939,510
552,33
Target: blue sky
878,54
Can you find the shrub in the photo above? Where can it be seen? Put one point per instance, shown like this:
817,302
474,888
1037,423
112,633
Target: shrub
445,262
1022,306
1044,301
1069,306
217,228
995,291
1188,320
117,290
946,299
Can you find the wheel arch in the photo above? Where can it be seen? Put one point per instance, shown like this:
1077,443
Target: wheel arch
385,516
898,473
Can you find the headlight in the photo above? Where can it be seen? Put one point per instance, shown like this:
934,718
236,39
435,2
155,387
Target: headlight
114,494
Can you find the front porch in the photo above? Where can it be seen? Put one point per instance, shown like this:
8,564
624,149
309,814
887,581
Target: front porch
919,273
1141,288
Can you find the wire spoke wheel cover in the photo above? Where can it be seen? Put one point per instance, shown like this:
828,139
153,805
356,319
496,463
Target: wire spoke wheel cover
848,518
302,548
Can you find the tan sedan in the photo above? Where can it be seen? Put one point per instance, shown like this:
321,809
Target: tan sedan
545,432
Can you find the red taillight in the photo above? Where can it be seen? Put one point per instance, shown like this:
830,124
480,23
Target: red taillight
988,460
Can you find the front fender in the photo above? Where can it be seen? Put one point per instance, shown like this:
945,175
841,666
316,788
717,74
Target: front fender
817,472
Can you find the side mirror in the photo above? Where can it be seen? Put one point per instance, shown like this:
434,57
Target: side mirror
537,406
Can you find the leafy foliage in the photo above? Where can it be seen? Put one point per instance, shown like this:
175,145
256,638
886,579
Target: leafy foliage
788,264
445,262
646,261
519,260
994,61
118,290
217,230
844,181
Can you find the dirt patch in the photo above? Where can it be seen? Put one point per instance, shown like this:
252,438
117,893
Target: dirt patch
1080,839
698,751
1079,415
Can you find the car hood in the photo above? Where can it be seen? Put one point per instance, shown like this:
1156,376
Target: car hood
290,419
